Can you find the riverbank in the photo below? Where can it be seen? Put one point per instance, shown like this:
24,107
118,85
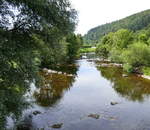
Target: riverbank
108,63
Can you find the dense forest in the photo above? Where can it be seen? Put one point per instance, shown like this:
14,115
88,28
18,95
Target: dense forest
134,22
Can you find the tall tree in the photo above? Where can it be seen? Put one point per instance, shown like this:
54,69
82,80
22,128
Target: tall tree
30,30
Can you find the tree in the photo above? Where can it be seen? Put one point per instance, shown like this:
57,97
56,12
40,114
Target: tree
102,51
137,54
134,22
74,42
122,38
37,25
31,31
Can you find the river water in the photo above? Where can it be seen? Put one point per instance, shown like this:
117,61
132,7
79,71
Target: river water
84,100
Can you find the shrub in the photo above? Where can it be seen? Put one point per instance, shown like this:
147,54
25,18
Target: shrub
146,71
128,68
116,55
137,54
102,51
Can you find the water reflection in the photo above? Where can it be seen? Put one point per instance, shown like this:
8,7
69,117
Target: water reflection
52,88
132,87
15,97
54,85
91,93
12,104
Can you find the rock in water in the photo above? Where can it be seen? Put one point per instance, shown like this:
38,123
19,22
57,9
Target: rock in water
57,126
125,75
36,112
95,116
114,103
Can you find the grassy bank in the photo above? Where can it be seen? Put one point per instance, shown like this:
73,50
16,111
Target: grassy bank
87,50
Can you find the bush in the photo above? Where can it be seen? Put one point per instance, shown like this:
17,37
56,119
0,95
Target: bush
146,71
116,55
102,51
128,68
137,54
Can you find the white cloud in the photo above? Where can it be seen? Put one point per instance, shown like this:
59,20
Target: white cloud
96,12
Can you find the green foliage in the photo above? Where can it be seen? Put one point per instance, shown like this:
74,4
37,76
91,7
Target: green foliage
137,54
74,42
36,32
128,68
32,33
146,71
122,38
102,51
87,50
115,55
134,22
112,44
108,39
124,46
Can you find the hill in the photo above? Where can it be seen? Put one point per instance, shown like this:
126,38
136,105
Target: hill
134,22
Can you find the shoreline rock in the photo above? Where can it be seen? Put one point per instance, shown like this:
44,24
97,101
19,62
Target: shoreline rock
49,71
124,75
145,77
110,65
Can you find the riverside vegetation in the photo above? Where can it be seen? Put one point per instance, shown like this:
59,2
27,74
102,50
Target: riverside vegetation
129,48
126,44
33,34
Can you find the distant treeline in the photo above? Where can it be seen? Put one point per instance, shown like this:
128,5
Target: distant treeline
134,22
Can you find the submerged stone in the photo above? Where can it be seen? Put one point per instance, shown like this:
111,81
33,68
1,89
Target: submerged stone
57,126
36,112
95,116
23,127
114,103
112,118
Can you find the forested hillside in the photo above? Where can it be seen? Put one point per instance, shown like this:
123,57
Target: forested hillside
134,22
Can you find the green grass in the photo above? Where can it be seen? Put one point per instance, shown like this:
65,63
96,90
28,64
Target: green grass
87,50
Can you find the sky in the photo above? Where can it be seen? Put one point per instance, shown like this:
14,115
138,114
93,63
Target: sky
92,13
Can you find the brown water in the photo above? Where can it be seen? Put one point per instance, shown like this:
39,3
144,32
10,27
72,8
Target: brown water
72,99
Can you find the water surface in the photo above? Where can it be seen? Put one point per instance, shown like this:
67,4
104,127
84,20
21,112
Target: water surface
90,90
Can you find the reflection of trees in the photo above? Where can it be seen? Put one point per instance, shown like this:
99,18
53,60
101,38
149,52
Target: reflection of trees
67,68
133,88
13,89
53,86
12,103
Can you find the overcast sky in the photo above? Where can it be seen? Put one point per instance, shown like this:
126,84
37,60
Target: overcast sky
96,12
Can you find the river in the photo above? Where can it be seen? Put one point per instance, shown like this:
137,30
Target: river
92,98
